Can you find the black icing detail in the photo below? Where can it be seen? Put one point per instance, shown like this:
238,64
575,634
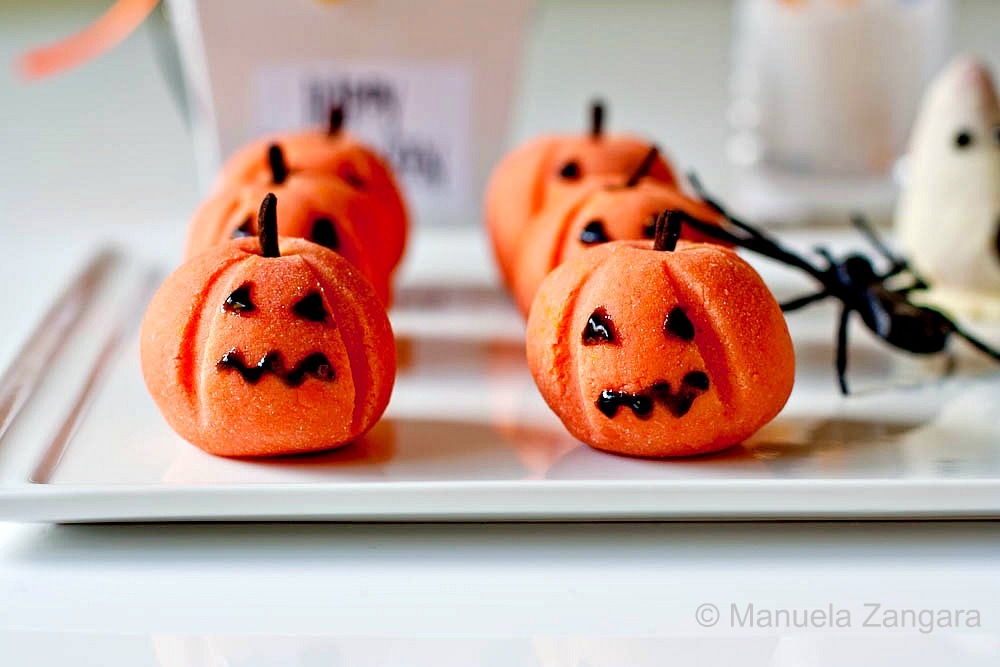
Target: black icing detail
325,234
570,171
311,308
315,365
963,139
354,180
600,329
276,161
244,230
610,401
649,227
239,301
678,324
678,403
696,380
594,233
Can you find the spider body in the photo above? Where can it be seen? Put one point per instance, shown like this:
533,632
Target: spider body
853,280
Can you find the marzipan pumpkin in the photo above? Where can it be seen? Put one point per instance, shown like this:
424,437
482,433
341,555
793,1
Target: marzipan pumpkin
332,152
321,210
267,345
535,173
598,212
660,348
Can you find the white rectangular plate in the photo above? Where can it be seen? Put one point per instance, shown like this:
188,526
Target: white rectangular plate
467,436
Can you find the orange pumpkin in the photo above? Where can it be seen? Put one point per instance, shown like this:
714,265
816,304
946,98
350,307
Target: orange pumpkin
332,153
268,346
537,172
658,348
598,212
321,210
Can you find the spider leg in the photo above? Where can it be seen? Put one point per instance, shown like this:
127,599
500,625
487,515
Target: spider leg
803,301
845,316
866,228
917,285
898,264
976,343
711,201
715,231
757,240
757,243
951,363
825,254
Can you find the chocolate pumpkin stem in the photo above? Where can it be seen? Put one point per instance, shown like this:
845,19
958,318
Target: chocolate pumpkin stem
336,120
267,226
596,119
276,159
668,230
644,167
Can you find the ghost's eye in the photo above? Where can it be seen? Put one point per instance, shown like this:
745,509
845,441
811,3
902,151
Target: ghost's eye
963,139
600,329
996,135
310,307
325,234
678,325
239,301
593,233
570,171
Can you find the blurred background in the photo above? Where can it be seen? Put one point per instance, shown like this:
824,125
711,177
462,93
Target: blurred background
111,141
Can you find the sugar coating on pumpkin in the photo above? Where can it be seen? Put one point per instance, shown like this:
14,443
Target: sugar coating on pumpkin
256,356
340,156
320,210
544,169
599,211
660,354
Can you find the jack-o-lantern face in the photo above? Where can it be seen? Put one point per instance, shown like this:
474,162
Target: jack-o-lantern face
268,347
320,210
332,153
600,212
658,352
544,169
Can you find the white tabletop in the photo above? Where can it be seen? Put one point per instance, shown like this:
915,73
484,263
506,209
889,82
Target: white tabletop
625,594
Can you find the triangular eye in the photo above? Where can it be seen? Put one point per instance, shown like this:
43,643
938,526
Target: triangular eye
570,171
239,301
600,329
593,233
246,229
310,307
679,325
325,234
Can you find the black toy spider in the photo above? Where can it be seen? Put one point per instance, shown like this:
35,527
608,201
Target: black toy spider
853,280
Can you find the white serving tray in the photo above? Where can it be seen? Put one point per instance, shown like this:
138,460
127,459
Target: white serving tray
467,437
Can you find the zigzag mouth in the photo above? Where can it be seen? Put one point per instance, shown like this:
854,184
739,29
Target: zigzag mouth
642,403
315,365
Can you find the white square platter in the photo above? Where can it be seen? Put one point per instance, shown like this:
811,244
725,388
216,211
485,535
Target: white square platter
468,438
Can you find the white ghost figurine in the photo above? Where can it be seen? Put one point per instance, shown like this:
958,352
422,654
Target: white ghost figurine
948,218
